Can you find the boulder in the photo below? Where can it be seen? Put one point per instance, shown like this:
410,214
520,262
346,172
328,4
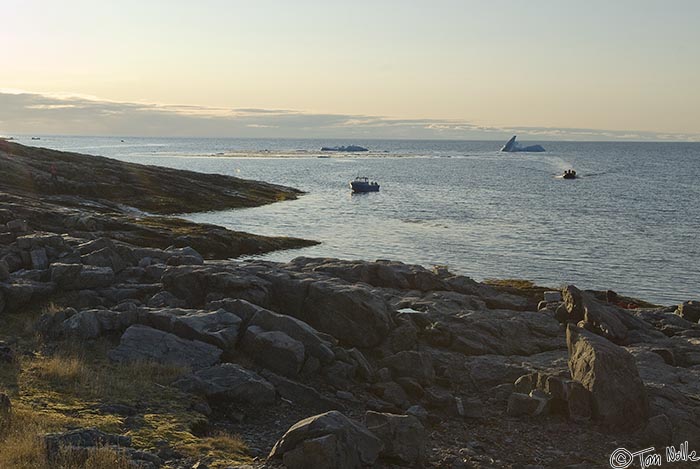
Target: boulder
327,441
573,304
229,382
143,343
609,373
274,350
403,436
83,325
689,310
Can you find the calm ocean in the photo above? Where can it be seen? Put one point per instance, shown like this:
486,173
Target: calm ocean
630,222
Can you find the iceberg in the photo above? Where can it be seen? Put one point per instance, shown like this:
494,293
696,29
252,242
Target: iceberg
513,146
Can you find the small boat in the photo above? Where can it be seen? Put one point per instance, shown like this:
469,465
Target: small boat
363,184
36,138
569,174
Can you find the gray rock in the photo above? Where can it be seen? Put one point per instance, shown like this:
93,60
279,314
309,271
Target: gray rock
82,437
39,259
294,328
526,405
392,393
382,273
364,368
274,350
92,323
689,310
573,304
658,431
298,393
95,277
142,343
4,270
105,257
163,299
404,337
219,328
83,325
229,382
403,436
185,260
609,372
351,313
327,441
66,275
186,251
419,412
411,364
552,296
20,292
17,226
606,319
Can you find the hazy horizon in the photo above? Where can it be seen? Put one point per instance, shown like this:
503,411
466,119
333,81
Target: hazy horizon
446,69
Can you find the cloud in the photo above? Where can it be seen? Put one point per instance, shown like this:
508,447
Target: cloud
74,114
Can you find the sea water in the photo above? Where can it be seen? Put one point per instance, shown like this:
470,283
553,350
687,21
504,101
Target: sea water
630,222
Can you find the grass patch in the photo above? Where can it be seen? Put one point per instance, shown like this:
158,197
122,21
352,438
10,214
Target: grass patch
63,385
226,450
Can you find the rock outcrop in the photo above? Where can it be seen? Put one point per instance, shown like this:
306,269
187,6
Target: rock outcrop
618,396
143,343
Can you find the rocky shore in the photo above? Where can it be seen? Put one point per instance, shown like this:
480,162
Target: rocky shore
130,339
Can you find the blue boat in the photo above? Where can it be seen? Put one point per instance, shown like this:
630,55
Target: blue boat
363,184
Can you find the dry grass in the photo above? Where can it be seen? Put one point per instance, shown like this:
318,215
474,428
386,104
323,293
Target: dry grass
226,450
58,386
92,378
20,445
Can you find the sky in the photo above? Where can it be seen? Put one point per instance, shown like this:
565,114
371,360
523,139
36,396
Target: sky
556,69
